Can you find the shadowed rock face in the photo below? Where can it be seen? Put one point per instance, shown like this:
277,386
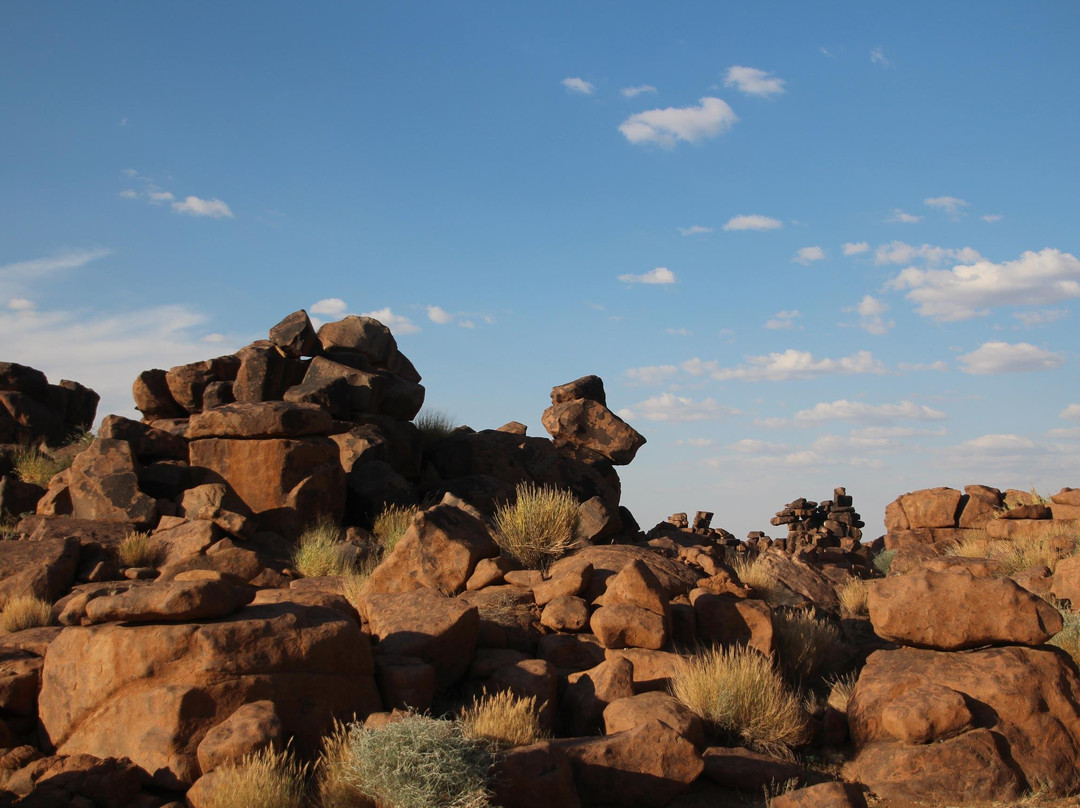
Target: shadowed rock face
32,410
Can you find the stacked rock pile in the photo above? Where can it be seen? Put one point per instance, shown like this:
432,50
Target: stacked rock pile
831,523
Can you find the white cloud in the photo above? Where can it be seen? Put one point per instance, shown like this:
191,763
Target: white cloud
104,351
899,252
854,249
790,364
861,412
899,217
40,267
466,324
992,358
898,432
576,85
214,339
654,374
877,56
871,319
660,275
634,92
679,332
158,197
967,291
439,315
20,304
671,408
1029,319
193,206
666,127
752,446
992,217
1069,433
784,320
752,81
1070,413
697,443
909,366
806,255
999,442
950,204
330,306
753,222
128,193
397,323
695,230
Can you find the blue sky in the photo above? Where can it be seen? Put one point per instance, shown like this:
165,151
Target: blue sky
805,245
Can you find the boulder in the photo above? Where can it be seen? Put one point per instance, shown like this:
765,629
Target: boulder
823,795
622,626
187,383
746,770
262,419
103,483
801,578
589,424
982,504
176,601
637,585
254,726
633,711
930,507
608,560
565,614
148,443
652,670
951,611
726,619
295,335
536,776
588,693
44,569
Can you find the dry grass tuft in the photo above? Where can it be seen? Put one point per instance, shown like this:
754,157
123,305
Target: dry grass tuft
266,779
762,582
502,720
539,527
1016,555
25,611
332,788
1068,639
434,426
31,465
805,645
318,551
390,525
852,596
416,762
840,690
140,550
739,693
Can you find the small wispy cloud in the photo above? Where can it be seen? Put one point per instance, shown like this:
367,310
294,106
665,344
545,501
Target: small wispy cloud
397,323
871,313
672,408
652,374
807,255
953,206
1070,413
194,206
439,315
992,217
329,306
695,230
878,57
753,222
578,85
660,275
634,92
851,248
900,217
784,321
666,127
993,358
753,81
1030,319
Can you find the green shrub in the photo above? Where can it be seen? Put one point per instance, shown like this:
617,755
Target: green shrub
140,550
25,611
1068,639
319,551
739,693
502,720
417,762
391,523
35,466
266,779
882,561
539,527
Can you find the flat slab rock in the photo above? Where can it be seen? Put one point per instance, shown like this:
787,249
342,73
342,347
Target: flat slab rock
264,419
172,601
951,611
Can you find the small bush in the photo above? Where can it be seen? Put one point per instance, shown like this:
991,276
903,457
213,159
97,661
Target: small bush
1068,639
840,690
502,720
266,779
25,611
391,523
539,527
417,762
332,788
805,645
762,582
852,595
882,561
740,694
318,551
434,426
1016,555
140,550
32,465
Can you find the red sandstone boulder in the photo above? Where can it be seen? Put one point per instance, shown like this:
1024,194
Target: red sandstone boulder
295,335
726,619
252,727
588,693
178,601
633,711
536,776
954,611
264,419
823,795
930,507
589,424
746,770
622,626
103,483
565,614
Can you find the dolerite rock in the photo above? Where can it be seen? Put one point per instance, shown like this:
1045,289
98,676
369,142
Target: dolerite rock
275,456
153,397
295,335
32,410
44,568
151,692
265,372
103,484
174,601
951,611
928,508
1019,724
252,727
586,422
148,443
187,383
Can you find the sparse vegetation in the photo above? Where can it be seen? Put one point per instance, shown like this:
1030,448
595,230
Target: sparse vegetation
25,611
416,762
1068,639
805,645
502,720
739,693
332,788
539,527
434,426
266,779
32,465
852,595
140,550
391,523
318,551
352,583
882,561
762,581
840,690
1017,555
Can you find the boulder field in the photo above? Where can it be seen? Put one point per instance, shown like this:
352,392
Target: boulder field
939,674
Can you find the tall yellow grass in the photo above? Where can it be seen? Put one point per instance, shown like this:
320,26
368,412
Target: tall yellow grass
539,527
